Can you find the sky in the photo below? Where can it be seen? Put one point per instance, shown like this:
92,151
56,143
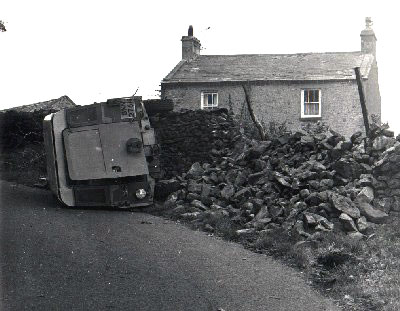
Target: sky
95,50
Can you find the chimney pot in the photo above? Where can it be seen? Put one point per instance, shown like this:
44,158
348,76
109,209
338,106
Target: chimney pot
190,31
368,23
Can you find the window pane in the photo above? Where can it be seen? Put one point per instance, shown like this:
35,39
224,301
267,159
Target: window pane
311,96
215,101
205,100
209,99
311,109
314,109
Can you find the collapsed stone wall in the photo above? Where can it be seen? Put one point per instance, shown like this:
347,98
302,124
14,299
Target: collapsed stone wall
304,182
193,136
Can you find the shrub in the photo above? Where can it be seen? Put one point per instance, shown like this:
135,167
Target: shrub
18,129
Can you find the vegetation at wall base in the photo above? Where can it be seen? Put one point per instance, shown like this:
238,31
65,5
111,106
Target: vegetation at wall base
22,154
359,275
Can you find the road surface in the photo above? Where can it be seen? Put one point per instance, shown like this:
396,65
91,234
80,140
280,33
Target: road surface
55,258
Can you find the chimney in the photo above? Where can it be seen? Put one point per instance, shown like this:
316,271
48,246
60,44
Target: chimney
368,39
190,45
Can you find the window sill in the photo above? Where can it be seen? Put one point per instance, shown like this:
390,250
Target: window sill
309,118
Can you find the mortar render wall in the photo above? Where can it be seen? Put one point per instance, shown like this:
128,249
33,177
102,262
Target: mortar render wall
279,101
372,94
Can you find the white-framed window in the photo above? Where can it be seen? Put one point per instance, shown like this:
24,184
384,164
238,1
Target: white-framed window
209,100
310,103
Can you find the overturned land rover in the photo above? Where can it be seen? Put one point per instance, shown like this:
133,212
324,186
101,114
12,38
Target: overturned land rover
104,154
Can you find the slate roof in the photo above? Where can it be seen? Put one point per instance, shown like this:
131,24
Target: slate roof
53,104
271,67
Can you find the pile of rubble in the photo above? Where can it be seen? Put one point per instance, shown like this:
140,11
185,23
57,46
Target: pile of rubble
190,136
305,183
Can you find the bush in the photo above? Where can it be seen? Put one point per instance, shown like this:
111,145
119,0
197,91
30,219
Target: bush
18,129
21,146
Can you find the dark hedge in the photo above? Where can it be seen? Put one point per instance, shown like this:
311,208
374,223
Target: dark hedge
18,129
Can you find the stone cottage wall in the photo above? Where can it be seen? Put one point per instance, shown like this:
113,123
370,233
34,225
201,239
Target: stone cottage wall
280,101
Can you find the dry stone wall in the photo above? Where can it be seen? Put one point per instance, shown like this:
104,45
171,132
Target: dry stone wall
190,136
387,175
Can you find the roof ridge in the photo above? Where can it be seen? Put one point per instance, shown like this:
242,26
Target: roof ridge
61,99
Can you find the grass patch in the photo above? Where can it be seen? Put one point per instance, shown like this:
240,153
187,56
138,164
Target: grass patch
26,165
380,278
226,228
359,275
333,263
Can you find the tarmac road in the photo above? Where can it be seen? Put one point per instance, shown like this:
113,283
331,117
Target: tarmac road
54,258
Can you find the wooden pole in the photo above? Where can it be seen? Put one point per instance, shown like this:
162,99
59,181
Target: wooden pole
257,123
362,99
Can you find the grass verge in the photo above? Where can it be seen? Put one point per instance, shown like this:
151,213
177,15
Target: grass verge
360,275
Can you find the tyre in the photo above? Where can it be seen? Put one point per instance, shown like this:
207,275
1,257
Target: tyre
154,106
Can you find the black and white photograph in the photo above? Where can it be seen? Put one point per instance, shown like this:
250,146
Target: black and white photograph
199,155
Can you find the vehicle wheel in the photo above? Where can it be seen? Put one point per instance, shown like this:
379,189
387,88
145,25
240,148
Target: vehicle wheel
154,106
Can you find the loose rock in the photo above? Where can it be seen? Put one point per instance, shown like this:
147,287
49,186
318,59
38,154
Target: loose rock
347,222
371,214
345,205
